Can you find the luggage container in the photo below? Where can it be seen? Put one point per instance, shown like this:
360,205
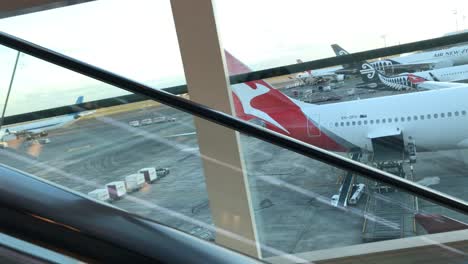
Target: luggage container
134,182
149,174
116,189
100,194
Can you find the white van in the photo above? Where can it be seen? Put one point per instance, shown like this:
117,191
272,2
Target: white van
360,188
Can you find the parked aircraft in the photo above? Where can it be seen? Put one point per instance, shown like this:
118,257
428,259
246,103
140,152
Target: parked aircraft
426,60
361,124
39,128
427,80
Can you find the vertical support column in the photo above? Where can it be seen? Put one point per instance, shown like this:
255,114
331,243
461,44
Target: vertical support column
208,84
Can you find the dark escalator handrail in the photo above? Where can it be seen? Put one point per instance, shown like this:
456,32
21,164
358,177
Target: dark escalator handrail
42,213
231,122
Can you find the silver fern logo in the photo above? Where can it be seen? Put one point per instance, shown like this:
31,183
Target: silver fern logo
342,52
368,69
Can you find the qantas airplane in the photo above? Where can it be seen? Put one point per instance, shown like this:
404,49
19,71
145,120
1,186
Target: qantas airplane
433,120
433,59
39,129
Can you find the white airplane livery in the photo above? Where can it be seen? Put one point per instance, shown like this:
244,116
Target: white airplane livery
435,59
435,119
40,128
427,80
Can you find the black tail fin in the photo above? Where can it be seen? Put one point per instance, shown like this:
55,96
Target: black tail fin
339,51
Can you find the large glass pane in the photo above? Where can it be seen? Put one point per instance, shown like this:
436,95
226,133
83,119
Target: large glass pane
278,33
136,39
129,155
143,157
302,206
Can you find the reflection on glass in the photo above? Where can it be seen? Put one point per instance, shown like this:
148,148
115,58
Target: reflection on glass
142,157
302,205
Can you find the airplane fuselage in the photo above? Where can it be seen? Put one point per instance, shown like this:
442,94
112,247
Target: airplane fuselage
436,120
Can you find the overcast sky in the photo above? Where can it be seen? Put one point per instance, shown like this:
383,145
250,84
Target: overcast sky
137,39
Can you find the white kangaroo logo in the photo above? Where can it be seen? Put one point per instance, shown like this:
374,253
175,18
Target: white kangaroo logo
246,94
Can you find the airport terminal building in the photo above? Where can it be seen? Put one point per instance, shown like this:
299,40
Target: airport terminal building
216,131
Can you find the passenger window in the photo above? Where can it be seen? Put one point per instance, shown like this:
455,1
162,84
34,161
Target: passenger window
365,122
347,123
415,118
377,121
449,114
429,116
456,113
436,116
463,112
359,123
442,115
421,117
336,124
342,123
402,119
383,120
408,118
389,120
396,119
354,123
372,122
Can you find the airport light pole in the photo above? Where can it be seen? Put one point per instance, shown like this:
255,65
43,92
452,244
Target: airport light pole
9,89
384,37
455,12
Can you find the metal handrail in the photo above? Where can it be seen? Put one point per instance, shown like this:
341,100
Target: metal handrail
231,122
